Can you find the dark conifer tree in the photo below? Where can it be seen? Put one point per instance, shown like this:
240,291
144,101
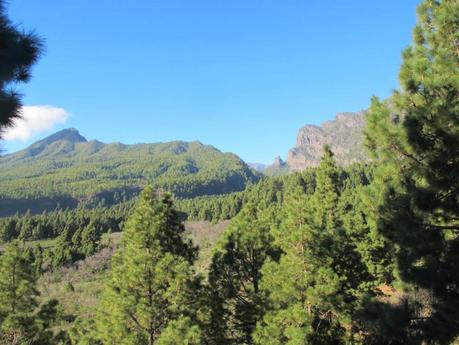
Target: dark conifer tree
18,52
415,139
316,288
22,321
235,275
152,294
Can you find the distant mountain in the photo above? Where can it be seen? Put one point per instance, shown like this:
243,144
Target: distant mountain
67,169
59,143
343,134
260,167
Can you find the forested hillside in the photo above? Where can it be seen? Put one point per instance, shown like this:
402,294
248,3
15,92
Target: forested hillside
65,170
209,253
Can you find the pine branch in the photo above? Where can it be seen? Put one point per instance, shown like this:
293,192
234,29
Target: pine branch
445,227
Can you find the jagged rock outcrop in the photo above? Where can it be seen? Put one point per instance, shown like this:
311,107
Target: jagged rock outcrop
343,134
278,162
278,167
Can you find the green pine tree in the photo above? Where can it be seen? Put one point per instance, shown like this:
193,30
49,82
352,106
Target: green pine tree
152,282
20,51
181,332
315,289
22,320
414,138
235,276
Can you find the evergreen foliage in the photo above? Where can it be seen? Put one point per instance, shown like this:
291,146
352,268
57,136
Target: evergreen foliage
362,255
63,171
152,282
317,288
77,233
414,139
20,50
235,275
22,320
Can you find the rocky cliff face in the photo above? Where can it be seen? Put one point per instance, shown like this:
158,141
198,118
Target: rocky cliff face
343,134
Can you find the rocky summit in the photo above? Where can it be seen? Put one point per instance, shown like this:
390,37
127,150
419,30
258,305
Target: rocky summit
343,134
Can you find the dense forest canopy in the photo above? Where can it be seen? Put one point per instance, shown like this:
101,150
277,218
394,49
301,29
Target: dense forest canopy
67,170
362,254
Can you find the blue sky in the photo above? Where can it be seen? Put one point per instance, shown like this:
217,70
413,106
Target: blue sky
242,75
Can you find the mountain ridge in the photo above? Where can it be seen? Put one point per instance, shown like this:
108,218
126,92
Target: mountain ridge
65,166
73,137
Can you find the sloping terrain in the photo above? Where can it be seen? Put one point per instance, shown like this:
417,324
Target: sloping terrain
65,170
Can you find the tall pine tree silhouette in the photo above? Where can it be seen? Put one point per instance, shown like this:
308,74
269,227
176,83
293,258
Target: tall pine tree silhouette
235,275
415,138
18,52
22,320
314,290
152,288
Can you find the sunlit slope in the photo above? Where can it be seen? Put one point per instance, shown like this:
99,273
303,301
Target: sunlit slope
68,168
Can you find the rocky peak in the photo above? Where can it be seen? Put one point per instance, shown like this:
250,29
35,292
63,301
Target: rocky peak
62,142
278,162
343,134
70,134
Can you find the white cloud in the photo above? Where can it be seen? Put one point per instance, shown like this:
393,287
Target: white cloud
35,119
